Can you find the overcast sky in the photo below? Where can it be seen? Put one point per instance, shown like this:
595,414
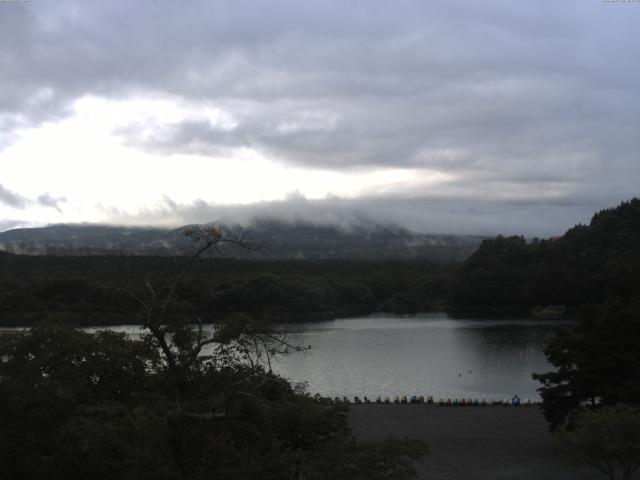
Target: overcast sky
441,116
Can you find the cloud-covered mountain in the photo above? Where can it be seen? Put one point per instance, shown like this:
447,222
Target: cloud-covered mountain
276,238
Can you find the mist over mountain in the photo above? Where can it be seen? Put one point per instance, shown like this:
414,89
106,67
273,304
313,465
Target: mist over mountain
277,239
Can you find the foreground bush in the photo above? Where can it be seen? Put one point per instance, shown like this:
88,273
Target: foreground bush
104,406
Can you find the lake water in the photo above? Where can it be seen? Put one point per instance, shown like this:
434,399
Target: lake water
429,354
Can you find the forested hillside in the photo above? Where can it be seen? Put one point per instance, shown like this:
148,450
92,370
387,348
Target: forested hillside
277,239
588,264
86,289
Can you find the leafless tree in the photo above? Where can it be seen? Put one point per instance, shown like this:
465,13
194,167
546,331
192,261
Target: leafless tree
238,338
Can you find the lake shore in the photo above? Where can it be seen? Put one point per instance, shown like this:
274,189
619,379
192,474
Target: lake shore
479,443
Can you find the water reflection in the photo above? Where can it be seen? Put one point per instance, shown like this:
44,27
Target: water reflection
423,355
429,354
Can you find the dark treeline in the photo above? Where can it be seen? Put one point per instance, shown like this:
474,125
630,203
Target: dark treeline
86,289
589,264
594,271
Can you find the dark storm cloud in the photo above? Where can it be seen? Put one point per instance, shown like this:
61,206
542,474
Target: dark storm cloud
518,100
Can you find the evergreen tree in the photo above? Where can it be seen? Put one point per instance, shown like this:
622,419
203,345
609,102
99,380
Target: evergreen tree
597,363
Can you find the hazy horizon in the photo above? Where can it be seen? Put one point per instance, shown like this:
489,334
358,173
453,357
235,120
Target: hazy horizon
340,214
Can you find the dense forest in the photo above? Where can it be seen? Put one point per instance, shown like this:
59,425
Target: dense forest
86,290
588,264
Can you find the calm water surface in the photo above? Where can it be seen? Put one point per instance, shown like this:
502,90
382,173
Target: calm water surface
429,354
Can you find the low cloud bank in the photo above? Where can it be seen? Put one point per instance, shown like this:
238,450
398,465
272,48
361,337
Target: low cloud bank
435,216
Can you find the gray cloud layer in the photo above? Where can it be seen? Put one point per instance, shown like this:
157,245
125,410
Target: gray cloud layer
12,199
521,100
17,201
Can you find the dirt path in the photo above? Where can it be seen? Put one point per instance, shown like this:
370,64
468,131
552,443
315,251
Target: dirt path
472,443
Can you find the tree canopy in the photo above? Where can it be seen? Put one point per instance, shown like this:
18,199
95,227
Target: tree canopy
596,363
587,264
81,289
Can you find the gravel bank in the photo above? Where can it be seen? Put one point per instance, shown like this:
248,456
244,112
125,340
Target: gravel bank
472,443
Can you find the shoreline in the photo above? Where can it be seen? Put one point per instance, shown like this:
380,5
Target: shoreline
125,320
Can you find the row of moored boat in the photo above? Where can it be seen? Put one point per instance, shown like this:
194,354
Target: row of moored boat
449,402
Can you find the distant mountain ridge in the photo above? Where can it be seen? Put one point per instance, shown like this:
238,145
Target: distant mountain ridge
279,240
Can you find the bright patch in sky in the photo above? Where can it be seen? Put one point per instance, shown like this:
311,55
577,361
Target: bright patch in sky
83,159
